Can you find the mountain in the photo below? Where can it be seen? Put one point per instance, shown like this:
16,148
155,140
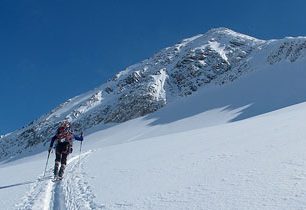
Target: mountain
206,63
215,122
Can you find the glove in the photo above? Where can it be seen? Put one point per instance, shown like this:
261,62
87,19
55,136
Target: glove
70,150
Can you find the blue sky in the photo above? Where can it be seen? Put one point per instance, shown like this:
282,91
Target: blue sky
54,50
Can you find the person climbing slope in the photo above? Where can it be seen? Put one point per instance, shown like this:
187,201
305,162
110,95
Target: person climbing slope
63,147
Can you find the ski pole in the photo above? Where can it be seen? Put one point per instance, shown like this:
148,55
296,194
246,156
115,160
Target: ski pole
46,163
80,153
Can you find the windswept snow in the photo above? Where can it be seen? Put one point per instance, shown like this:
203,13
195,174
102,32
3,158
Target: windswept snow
257,163
219,49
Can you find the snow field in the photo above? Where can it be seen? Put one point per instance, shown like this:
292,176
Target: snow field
258,163
70,193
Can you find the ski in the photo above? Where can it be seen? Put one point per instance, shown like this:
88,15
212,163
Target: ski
56,179
44,178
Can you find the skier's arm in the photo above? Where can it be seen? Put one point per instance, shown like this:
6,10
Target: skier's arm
52,141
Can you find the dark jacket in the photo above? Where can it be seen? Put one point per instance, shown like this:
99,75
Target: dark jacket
63,141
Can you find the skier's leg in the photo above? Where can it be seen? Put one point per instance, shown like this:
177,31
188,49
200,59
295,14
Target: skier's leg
63,164
57,162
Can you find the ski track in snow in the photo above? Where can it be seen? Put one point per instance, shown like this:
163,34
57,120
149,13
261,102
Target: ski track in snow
72,192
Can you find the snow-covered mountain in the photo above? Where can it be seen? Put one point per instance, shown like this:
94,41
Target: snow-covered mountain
211,60
215,122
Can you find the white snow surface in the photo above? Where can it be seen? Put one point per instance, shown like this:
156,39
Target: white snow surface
256,163
240,145
200,158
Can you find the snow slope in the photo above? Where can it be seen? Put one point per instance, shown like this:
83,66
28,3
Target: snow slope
256,163
237,145
190,155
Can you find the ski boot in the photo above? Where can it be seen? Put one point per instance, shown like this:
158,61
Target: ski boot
55,171
61,171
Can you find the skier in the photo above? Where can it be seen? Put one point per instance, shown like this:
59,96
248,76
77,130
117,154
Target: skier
63,147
